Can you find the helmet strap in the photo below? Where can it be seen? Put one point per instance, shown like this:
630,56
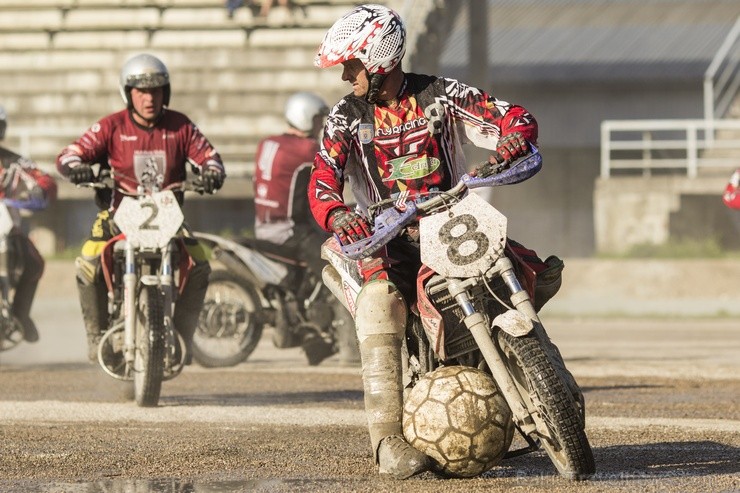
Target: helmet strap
375,81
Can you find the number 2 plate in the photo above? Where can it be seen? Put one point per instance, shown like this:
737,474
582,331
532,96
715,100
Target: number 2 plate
465,240
149,222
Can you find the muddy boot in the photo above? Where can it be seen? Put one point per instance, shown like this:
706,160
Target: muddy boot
94,304
25,291
381,321
399,459
381,377
189,306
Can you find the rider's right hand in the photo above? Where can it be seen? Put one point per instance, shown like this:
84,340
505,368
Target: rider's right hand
82,173
348,226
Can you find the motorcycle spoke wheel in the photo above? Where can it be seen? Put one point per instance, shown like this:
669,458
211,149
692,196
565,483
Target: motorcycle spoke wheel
542,388
230,323
150,347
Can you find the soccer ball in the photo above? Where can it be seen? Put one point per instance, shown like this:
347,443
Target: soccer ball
457,416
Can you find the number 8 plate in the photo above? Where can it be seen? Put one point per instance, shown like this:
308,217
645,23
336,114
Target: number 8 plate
465,240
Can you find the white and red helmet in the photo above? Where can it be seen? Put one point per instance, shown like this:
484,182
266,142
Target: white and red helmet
374,34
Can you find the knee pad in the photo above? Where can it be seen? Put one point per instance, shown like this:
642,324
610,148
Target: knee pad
381,310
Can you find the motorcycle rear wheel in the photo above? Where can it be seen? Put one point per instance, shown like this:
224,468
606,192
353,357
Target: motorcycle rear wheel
150,347
230,323
534,375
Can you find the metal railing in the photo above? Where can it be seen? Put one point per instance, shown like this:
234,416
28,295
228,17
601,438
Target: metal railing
721,80
669,144
683,144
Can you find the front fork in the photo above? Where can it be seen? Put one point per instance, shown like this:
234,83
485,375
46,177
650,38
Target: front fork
164,280
527,421
4,279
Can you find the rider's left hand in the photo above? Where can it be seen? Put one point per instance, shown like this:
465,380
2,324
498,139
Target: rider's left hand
213,179
509,148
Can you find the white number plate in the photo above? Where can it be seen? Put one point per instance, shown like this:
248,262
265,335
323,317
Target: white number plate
465,240
149,222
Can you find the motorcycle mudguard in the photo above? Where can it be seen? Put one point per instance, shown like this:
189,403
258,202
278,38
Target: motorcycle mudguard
431,319
514,323
265,270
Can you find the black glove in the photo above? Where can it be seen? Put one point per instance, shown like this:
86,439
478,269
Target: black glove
82,173
213,179
348,226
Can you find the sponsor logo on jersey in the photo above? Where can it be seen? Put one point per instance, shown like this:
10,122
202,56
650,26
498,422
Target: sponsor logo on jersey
128,138
403,127
411,167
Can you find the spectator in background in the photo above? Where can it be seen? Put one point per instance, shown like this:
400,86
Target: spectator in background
21,181
265,6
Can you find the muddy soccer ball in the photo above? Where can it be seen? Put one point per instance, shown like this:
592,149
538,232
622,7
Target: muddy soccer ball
458,417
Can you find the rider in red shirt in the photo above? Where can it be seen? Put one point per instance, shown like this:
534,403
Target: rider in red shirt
21,180
282,215
147,143
397,136
731,197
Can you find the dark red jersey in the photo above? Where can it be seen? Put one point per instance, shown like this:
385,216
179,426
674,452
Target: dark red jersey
413,148
283,164
138,155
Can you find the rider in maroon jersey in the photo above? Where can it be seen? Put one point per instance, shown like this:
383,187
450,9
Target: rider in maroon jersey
283,216
22,180
404,132
145,144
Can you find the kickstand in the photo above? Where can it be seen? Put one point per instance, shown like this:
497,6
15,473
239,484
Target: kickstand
532,446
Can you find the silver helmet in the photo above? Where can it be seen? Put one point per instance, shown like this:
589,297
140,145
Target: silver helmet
3,122
144,72
301,109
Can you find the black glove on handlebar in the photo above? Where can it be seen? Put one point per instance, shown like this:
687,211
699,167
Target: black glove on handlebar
348,226
82,173
212,180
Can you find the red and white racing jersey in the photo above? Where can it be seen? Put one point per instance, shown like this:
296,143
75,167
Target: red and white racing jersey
414,147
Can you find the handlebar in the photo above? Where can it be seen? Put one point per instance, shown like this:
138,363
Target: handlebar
106,180
391,221
27,204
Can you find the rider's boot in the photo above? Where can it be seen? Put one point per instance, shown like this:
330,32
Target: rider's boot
94,304
381,320
24,294
190,304
25,290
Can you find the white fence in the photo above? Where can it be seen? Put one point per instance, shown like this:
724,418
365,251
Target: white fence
688,145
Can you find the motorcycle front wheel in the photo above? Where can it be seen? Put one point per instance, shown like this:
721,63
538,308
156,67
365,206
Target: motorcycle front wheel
542,388
230,323
150,347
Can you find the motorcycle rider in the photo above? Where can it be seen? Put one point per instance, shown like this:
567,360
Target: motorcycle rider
282,215
22,180
144,144
406,131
